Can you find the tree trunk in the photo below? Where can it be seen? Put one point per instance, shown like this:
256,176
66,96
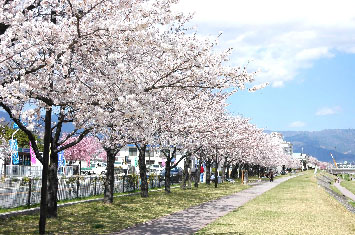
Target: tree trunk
143,170
246,176
208,171
240,168
228,171
167,174
4,168
224,167
43,204
110,178
185,173
216,174
53,186
189,175
198,172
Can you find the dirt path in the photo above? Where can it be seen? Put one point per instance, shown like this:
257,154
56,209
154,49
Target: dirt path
194,218
344,191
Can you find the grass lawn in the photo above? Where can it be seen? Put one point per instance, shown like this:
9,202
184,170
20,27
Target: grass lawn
335,189
349,185
4,210
98,218
297,206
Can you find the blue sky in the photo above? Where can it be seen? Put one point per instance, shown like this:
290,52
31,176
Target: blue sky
304,49
321,97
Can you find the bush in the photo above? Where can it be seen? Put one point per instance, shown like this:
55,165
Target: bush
132,181
346,177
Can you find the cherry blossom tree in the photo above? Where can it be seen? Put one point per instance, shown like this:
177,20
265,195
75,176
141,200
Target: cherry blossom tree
116,79
39,66
5,151
87,149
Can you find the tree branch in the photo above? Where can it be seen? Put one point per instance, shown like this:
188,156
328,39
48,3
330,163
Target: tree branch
30,135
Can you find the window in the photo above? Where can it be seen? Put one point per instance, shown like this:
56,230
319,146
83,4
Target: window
165,152
132,151
127,160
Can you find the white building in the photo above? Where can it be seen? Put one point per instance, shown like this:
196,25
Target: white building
127,158
303,158
128,155
286,146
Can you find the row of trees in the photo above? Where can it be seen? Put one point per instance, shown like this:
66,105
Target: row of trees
125,71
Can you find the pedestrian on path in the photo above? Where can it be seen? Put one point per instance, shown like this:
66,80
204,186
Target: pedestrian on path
202,170
271,176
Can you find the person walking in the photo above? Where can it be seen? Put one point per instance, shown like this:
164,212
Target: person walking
271,176
202,170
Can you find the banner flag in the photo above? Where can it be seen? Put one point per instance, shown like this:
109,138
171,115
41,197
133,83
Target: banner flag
33,155
61,159
14,152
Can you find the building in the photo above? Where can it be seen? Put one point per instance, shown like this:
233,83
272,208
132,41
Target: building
303,158
346,165
286,146
128,156
25,166
126,159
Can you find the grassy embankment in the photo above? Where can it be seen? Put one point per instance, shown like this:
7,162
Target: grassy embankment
99,218
349,185
297,206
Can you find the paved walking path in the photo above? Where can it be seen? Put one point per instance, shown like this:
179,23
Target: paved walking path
344,191
194,218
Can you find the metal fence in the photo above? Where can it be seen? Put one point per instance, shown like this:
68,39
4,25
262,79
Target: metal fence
34,171
16,192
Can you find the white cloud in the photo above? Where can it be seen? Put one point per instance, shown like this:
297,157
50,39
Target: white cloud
328,111
279,37
297,124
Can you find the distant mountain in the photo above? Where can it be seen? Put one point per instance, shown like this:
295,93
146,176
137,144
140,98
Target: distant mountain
339,142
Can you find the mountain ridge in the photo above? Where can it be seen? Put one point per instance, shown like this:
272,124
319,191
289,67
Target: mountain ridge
339,142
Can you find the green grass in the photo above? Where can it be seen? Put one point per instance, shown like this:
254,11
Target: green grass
99,218
335,189
345,177
331,176
4,210
297,206
349,185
